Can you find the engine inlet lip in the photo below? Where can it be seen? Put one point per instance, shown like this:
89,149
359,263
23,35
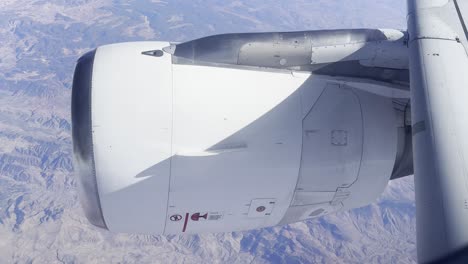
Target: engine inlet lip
82,135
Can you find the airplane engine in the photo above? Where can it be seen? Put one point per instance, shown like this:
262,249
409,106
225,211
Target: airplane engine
173,139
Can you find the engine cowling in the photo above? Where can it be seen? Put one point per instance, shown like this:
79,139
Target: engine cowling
164,148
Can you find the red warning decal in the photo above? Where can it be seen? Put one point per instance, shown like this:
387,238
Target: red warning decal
197,216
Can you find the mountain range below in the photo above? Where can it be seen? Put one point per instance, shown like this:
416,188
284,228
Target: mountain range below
41,220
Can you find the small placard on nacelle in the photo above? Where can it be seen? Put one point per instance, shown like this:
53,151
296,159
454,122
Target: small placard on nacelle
261,207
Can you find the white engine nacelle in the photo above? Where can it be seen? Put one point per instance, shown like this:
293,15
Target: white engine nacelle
168,148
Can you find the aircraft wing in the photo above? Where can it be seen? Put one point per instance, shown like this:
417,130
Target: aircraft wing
439,93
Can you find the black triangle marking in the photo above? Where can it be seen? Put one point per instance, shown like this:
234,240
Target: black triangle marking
153,53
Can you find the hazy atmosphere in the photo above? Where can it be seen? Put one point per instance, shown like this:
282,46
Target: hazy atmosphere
41,219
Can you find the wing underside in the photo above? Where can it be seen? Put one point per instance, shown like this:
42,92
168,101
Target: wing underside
439,63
